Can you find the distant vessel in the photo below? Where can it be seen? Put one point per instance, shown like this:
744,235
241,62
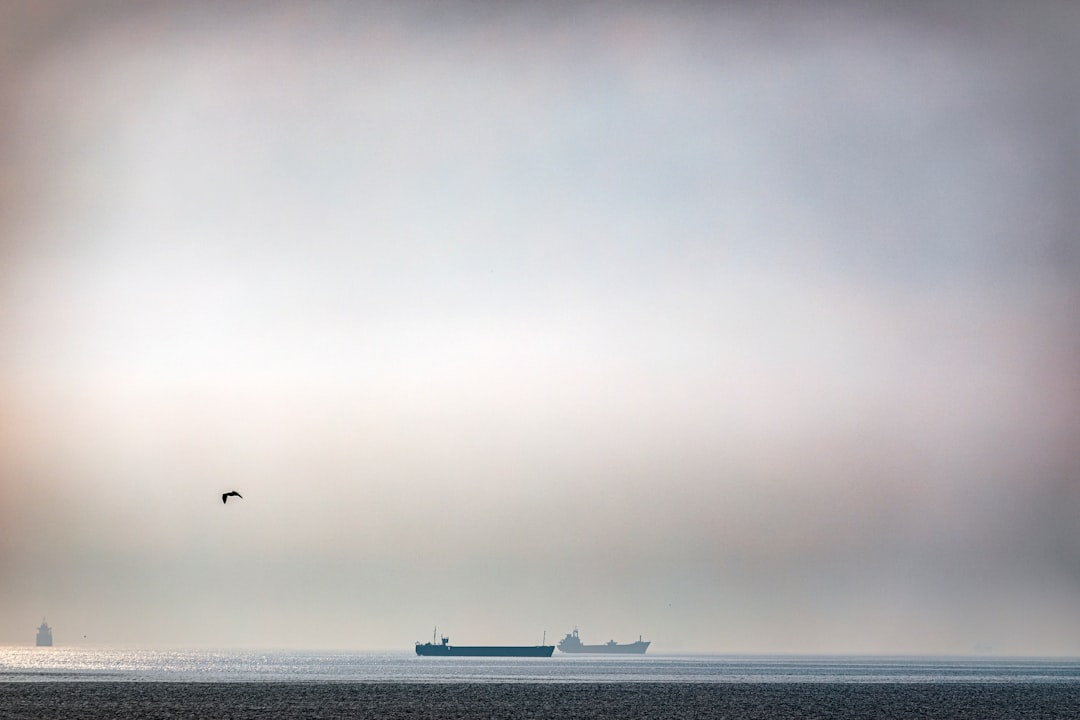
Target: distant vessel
44,635
445,649
572,644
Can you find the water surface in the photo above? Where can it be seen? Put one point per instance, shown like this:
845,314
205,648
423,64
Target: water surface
31,664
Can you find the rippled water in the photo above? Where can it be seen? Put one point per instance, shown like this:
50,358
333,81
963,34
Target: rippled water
117,684
30,664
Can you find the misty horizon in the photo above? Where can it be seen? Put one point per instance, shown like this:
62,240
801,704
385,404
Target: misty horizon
740,329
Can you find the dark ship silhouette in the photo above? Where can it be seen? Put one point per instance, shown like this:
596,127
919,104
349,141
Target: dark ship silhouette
445,649
572,644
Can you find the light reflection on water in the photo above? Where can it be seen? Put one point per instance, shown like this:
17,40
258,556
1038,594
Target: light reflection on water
32,664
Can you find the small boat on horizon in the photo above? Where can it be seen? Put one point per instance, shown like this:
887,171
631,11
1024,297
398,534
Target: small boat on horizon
44,634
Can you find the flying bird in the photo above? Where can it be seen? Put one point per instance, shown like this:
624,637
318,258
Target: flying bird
225,496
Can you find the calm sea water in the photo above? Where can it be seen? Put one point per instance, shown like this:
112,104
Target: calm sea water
60,683
32,664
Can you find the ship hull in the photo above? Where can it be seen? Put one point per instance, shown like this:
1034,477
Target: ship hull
636,648
432,650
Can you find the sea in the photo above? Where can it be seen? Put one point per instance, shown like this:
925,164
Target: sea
89,683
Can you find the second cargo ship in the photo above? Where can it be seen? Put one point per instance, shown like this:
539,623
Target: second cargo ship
572,644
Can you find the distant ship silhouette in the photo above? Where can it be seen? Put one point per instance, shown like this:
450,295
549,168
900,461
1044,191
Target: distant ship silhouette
225,496
44,635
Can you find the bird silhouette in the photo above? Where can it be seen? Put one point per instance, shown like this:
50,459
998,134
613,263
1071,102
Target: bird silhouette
225,496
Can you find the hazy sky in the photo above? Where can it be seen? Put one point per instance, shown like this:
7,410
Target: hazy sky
742,329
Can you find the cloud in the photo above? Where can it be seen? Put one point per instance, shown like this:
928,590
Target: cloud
763,343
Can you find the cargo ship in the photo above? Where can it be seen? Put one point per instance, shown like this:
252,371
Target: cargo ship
44,635
445,649
572,644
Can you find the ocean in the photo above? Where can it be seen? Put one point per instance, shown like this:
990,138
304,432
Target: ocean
137,683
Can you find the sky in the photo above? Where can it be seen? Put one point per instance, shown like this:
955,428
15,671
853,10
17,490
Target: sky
744,327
